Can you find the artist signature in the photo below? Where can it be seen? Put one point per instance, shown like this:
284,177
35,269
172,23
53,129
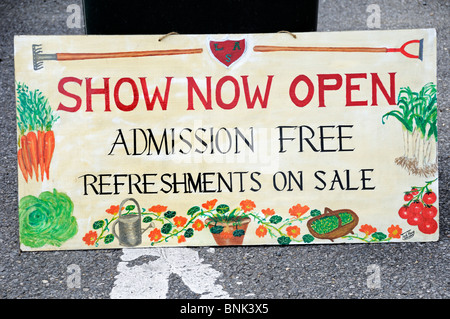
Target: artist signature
408,234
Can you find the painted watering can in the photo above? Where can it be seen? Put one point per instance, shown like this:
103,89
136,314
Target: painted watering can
130,229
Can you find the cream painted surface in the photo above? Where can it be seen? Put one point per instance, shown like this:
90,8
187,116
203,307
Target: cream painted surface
84,139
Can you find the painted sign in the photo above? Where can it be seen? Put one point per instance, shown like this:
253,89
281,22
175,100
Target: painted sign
243,139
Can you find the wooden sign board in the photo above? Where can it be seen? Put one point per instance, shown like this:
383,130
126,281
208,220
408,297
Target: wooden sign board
239,139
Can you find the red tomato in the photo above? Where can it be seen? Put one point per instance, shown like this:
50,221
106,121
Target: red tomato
415,208
429,211
428,226
414,191
415,219
403,212
429,198
408,197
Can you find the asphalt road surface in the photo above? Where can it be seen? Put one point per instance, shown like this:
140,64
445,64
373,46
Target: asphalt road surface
400,270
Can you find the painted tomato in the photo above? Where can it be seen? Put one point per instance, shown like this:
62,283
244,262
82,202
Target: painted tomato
429,198
403,212
415,208
415,219
414,191
408,197
428,226
429,211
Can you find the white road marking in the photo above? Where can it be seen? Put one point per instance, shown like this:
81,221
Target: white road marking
150,280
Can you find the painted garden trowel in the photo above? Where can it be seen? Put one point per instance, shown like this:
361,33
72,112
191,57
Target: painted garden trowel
402,49
39,57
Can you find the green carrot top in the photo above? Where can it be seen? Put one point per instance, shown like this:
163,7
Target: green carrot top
33,110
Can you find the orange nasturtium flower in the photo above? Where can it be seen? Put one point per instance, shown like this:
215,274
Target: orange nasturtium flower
394,231
298,210
114,209
180,221
90,238
293,231
158,209
261,231
367,229
198,225
247,205
181,239
268,212
209,204
155,235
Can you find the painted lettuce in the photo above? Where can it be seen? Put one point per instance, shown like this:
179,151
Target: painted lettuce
46,219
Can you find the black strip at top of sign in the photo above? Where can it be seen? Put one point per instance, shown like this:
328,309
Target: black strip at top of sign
199,16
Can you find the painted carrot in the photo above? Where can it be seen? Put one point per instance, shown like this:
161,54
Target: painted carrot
49,147
34,117
32,148
22,164
26,159
41,153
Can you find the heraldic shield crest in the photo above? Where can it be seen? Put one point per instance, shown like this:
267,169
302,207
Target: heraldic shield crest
227,52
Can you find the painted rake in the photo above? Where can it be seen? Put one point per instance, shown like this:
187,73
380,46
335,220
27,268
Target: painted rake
39,57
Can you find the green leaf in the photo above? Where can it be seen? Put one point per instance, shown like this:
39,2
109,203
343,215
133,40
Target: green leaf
379,236
315,212
109,238
420,123
166,228
433,131
238,233
407,123
130,208
216,229
418,109
232,215
98,224
193,210
170,214
284,240
189,233
217,218
222,209
308,238
275,219
147,219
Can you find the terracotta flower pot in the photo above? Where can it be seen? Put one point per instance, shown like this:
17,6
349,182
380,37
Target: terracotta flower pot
227,235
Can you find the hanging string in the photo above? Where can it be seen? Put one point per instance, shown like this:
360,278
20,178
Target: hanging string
290,33
167,35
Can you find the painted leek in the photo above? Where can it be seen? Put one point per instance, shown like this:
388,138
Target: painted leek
418,115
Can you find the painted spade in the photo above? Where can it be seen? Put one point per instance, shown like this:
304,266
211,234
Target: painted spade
402,49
